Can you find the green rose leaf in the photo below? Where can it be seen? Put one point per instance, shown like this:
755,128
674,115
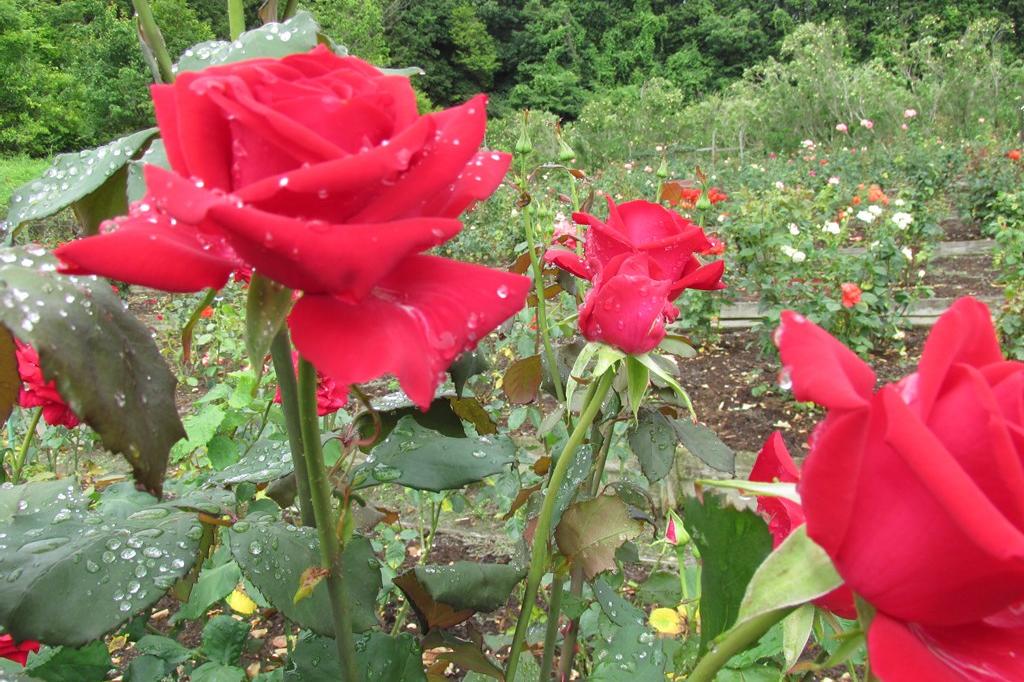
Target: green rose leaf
104,361
653,441
267,460
380,657
705,444
417,457
274,40
273,556
155,155
105,568
92,182
732,545
465,586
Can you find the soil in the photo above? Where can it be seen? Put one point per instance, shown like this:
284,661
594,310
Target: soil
959,229
734,389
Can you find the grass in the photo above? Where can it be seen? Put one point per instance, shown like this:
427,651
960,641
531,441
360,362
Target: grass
16,171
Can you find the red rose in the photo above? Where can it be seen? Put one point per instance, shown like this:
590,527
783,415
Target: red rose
318,172
36,391
774,463
851,294
17,652
640,261
329,397
1013,155
916,491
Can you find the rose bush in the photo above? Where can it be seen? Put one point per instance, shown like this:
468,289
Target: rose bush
915,491
318,172
639,261
36,391
774,463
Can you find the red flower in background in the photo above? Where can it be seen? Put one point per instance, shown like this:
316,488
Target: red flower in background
851,294
684,195
1013,155
640,260
36,391
774,463
915,491
17,652
318,172
329,396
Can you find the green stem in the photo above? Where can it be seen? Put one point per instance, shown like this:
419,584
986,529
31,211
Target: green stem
576,586
154,39
733,642
539,556
281,354
236,18
684,583
551,633
19,460
289,9
330,549
193,320
542,312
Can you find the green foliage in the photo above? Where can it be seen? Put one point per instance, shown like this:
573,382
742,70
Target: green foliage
73,74
356,24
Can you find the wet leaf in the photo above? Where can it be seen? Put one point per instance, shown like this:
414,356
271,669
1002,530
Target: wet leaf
705,444
653,441
104,361
419,458
589,532
522,380
298,34
273,555
267,304
106,568
380,657
75,177
267,460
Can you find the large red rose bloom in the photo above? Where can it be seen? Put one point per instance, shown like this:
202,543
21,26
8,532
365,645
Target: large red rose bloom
318,172
916,491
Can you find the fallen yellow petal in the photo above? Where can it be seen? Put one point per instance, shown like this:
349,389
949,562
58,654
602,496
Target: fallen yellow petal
240,602
666,621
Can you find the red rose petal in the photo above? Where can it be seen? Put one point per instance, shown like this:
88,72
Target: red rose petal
154,254
963,334
318,257
821,368
422,316
625,307
459,132
568,261
977,652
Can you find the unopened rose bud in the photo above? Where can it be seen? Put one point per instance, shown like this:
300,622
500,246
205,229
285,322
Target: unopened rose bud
662,171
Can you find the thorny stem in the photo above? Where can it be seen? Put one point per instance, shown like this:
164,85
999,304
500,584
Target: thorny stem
330,548
281,354
539,556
